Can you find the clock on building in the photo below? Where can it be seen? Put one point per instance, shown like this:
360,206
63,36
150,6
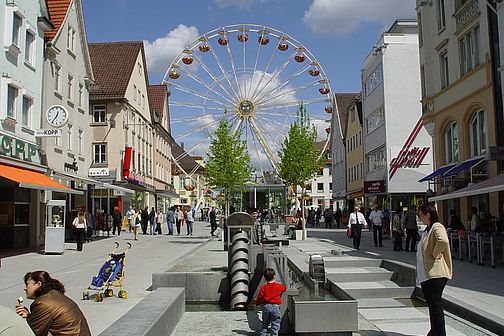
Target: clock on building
57,116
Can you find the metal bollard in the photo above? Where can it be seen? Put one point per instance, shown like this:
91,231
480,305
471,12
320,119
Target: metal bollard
239,270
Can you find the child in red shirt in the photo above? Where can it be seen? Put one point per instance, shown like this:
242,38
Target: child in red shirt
270,297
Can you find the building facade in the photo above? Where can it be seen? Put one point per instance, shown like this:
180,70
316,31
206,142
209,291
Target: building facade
162,176
460,106
397,149
122,136
24,176
338,166
354,154
67,78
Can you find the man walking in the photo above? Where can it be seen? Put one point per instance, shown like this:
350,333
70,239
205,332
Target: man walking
410,223
152,221
116,215
213,222
376,217
328,217
356,222
337,217
170,219
178,219
190,220
144,220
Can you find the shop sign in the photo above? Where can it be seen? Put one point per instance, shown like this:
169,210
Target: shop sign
409,157
71,166
19,149
497,153
48,132
99,171
119,193
135,178
371,187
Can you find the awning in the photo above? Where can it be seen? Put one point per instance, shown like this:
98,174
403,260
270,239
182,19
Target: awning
167,193
33,180
493,184
463,166
437,172
115,187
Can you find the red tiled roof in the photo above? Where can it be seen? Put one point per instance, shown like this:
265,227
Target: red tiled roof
157,98
113,63
57,12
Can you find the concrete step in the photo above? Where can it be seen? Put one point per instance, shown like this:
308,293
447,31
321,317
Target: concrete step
375,289
380,303
348,274
350,261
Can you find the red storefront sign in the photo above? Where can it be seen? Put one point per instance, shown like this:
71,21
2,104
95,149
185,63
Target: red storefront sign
372,187
127,162
409,158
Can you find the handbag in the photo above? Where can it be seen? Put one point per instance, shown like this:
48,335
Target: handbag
349,232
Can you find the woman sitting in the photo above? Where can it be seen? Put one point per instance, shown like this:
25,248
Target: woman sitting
52,312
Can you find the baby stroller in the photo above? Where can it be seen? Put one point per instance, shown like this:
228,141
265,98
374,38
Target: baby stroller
111,274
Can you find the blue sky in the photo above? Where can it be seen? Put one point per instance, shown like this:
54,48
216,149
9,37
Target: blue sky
338,34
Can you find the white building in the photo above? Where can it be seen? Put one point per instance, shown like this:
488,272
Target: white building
397,148
67,78
22,170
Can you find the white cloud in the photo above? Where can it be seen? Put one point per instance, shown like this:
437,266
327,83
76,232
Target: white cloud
242,4
163,50
342,17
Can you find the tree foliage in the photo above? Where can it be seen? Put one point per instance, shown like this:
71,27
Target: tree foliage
228,165
299,155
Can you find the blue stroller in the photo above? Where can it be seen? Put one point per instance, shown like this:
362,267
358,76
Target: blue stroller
111,274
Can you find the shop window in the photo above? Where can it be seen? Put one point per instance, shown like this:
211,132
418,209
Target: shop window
451,143
478,134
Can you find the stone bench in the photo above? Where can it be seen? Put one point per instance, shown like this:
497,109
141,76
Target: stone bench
157,314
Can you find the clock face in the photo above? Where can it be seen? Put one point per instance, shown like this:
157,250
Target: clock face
57,116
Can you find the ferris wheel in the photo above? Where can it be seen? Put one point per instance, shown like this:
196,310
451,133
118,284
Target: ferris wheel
253,76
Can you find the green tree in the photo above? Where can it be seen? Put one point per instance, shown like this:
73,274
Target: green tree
300,156
228,165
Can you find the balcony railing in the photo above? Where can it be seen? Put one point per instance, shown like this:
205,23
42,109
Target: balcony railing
466,13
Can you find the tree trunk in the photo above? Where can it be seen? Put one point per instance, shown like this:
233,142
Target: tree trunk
303,213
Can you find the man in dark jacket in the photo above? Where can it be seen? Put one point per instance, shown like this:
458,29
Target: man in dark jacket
116,215
213,222
144,219
410,223
152,221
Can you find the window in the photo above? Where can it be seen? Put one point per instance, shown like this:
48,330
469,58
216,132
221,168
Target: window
376,160
441,15
139,68
375,119
445,70
420,33
16,29
71,39
30,47
70,142
81,95
143,101
80,142
469,51
99,112
451,143
422,80
12,96
320,187
330,186
99,152
373,80
478,134
353,115
70,95
57,77
26,114
135,93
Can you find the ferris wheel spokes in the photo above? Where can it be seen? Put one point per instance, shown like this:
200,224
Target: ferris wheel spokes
256,62
274,76
224,72
283,84
265,145
231,60
207,125
193,105
265,70
294,90
268,106
206,85
197,94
